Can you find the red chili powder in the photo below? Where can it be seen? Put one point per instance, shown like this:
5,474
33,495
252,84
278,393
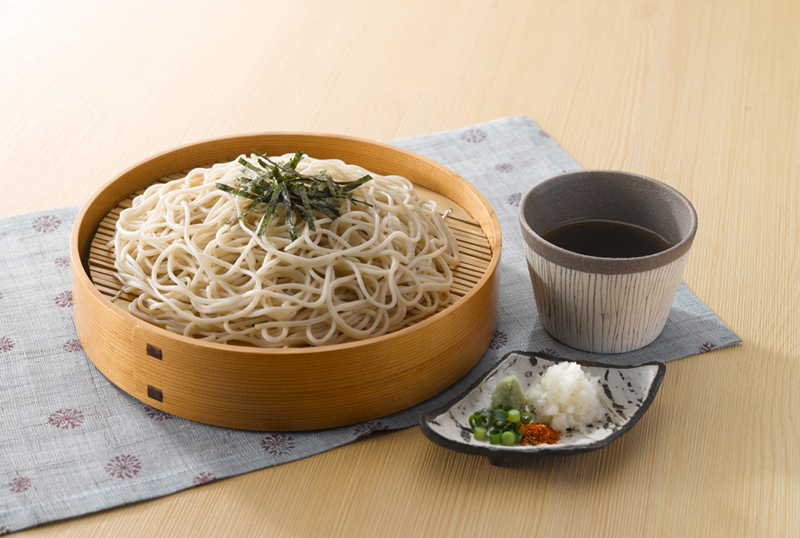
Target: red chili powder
536,433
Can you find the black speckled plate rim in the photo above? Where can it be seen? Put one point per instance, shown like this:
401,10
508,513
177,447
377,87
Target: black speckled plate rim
497,454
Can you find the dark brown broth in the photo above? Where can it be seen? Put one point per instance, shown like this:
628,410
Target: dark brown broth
606,239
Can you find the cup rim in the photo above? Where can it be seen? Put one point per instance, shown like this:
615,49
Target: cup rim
600,265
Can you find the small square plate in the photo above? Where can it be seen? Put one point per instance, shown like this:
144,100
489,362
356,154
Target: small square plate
631,390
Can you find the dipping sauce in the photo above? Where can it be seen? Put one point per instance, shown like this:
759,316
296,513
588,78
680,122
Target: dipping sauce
606,239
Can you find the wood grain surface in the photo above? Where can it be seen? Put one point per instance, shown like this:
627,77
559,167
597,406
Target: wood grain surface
703,95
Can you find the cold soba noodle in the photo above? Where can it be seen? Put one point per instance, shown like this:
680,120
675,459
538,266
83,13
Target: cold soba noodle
370,271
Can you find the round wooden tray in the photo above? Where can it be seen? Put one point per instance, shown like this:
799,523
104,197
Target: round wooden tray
286,389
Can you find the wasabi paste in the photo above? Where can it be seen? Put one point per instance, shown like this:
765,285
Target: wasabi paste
509,392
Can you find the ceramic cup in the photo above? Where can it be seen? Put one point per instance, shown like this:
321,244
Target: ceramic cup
605,305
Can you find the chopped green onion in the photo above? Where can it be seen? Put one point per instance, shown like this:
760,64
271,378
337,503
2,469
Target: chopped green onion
499,414
508,438
502,425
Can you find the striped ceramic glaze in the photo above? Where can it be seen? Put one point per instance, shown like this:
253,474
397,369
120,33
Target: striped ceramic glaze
605,305
603,313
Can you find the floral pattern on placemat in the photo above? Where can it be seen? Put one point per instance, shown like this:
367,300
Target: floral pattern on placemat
64,299
6,344
72,345
203,478
157,414
278,444
47,224
124,466
66,419
20,484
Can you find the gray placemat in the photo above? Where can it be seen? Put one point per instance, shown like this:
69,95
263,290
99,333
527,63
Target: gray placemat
72,443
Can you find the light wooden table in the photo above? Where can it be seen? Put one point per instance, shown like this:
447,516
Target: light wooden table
704,95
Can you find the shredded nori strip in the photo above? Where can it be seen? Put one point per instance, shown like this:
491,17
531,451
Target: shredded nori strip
270,185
